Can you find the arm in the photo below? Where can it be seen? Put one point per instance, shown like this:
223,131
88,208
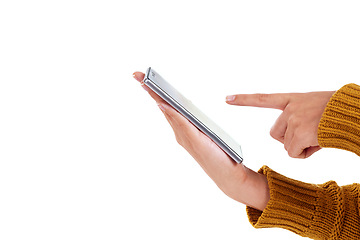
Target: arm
297,125
324,211
340,124
311,121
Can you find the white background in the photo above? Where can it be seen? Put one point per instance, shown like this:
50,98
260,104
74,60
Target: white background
86,154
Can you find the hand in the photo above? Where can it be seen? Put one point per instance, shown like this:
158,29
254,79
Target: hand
297,125
235,180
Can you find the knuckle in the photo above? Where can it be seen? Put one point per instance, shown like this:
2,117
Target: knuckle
277,137
274,133
296,151
292,154
286,146
292,107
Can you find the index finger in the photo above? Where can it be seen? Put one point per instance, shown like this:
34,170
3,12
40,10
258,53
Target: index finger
274,100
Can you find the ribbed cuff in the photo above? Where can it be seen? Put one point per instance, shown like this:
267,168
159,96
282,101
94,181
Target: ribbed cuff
310,210
340,124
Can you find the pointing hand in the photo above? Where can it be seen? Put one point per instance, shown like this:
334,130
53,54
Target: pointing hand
297,125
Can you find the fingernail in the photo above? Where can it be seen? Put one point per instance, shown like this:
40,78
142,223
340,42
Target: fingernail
161,107
230,98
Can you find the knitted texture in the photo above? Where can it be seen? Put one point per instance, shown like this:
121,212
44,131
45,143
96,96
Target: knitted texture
323,211
319,211
340,124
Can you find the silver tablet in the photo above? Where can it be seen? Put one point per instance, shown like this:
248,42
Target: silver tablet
156,83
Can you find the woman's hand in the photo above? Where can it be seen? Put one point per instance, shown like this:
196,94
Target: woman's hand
235,180
297,125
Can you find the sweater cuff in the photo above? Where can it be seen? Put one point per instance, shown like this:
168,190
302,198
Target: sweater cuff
308,210
340,123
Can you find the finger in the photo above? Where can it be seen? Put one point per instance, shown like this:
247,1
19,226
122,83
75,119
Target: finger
173,124
278,130
288,137
182,127
139,76
276,100
174,118
299,146
311,150
156,97
167,116
295,150
177,119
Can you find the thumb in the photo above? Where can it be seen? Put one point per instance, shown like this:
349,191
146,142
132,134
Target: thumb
275,100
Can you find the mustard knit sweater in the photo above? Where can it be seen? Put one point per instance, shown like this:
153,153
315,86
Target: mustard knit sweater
323,211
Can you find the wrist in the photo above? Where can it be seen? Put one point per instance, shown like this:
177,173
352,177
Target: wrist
255,191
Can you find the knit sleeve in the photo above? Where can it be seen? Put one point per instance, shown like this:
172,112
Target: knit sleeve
323,211
340,124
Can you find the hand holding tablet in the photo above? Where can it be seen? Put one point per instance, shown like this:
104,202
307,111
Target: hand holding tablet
235,180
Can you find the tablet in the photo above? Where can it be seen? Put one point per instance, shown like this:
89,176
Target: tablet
167,92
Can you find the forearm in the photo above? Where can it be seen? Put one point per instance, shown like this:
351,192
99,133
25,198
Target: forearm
318,211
